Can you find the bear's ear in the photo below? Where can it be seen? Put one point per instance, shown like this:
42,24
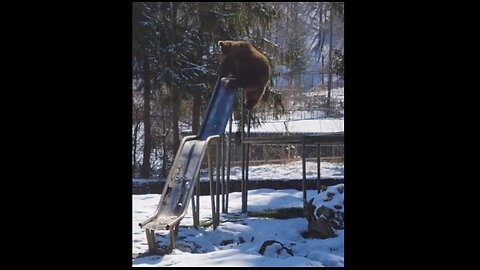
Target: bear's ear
224,45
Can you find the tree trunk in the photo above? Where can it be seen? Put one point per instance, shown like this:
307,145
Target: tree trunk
147,143
176,97
330,62
197,96
323,72
176,103
164,136
135,138
197,104
322,40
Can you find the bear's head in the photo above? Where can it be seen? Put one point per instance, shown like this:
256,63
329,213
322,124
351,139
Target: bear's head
227,46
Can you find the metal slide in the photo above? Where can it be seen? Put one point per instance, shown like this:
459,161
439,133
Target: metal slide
181,180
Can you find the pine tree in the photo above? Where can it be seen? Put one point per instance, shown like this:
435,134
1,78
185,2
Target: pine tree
142,32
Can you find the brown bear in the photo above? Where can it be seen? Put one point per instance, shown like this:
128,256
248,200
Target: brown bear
248,66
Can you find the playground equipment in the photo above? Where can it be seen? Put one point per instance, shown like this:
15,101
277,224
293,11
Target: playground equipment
183,179
184,174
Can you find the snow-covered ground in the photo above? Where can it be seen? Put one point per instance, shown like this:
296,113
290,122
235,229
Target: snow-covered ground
298,126
336,93
237,240
288,171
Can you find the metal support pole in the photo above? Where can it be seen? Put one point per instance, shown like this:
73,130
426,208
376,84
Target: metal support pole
194,211
248,163
217,184
210,176
244,203
229,154
304,178
222,160
152,245
196,202
173,237
318,168
197,191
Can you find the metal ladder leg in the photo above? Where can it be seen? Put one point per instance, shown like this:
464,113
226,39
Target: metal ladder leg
152,245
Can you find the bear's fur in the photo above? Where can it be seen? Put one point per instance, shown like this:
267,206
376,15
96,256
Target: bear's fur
248,66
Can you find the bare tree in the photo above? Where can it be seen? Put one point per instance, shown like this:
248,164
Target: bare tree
330,70
136,127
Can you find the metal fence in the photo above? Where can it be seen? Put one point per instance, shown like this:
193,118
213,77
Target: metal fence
306,80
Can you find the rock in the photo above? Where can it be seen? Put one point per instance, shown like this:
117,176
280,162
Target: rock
325,213
273,248
322,229
327,199
226,242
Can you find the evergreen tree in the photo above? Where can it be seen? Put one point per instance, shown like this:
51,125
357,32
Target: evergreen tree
175,59
142,34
